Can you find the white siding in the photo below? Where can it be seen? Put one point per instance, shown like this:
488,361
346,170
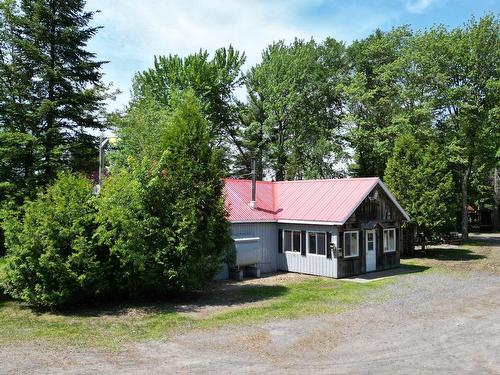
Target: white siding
309,264
268,234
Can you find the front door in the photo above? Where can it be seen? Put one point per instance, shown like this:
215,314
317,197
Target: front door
371,251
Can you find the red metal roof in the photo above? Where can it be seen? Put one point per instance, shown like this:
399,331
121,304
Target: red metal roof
330,201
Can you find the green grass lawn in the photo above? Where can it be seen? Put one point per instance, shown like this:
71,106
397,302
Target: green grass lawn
111,328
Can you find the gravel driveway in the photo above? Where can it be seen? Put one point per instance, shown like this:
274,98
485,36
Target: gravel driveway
432,322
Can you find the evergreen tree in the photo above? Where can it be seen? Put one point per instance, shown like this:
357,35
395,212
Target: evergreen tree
164,219
456,74
422,182
51,94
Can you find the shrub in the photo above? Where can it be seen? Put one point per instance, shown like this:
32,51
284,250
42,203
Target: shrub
130,233
164,220
51,259
158,226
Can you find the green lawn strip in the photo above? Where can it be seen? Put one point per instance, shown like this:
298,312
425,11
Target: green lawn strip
305,299
20,324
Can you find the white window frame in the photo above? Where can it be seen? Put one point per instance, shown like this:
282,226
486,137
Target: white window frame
357,243
293,251
326,244
384,240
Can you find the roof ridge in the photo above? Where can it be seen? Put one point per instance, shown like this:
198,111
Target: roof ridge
246,180
303,181
328,179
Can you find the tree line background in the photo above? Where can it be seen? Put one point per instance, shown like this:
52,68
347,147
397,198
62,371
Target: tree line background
419,109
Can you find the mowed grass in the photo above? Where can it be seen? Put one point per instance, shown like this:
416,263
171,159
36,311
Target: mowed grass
464,258
112,328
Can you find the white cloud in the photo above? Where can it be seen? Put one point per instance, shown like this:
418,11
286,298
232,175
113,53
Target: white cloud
418,6
134,31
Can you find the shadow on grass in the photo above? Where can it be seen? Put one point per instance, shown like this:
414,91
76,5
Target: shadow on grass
235,296
449,254
413,268
403,269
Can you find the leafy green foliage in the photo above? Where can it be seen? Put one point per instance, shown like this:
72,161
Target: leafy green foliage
212,80
296,86
377,109
51,259
158,227
139,132
164,221
456,74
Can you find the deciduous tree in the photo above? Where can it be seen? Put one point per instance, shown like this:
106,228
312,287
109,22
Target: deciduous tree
297,86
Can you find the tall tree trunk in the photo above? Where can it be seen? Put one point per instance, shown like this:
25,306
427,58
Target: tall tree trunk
49,140
465,198
496,200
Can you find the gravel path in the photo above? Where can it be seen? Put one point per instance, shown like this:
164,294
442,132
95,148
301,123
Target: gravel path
435,322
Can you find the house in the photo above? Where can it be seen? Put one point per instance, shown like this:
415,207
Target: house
335,228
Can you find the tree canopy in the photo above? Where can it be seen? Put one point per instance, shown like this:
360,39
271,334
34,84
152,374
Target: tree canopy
51,91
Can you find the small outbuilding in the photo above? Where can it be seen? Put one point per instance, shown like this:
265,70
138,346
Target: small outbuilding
335,228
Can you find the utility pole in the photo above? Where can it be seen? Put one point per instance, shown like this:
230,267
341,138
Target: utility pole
103,142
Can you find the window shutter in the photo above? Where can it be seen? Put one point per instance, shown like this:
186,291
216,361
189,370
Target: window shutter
397,234
360,243
303,240
340,250
280,240
328,245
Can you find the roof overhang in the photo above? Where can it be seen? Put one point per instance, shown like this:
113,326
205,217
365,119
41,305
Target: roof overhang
309,222
284,221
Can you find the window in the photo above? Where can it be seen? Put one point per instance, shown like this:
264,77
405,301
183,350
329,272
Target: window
317,243
370,241
389,240
351,244
387,212
291,241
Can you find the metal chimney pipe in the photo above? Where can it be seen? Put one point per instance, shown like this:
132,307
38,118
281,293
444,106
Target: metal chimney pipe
253,203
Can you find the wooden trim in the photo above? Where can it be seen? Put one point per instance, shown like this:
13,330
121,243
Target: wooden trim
395,240
328,245
326,242
391,197
357,242
308,222
303,245
280,240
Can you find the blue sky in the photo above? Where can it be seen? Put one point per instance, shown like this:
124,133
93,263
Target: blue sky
134,31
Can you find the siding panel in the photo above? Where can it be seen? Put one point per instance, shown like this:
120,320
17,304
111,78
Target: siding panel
268,233
310,264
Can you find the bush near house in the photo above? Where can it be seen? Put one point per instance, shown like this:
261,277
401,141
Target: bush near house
164,220
51,258
158,227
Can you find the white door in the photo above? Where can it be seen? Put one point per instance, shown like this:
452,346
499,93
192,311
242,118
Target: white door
371,250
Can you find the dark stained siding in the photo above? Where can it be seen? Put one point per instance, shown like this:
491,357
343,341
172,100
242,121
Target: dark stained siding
379,211
352,266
